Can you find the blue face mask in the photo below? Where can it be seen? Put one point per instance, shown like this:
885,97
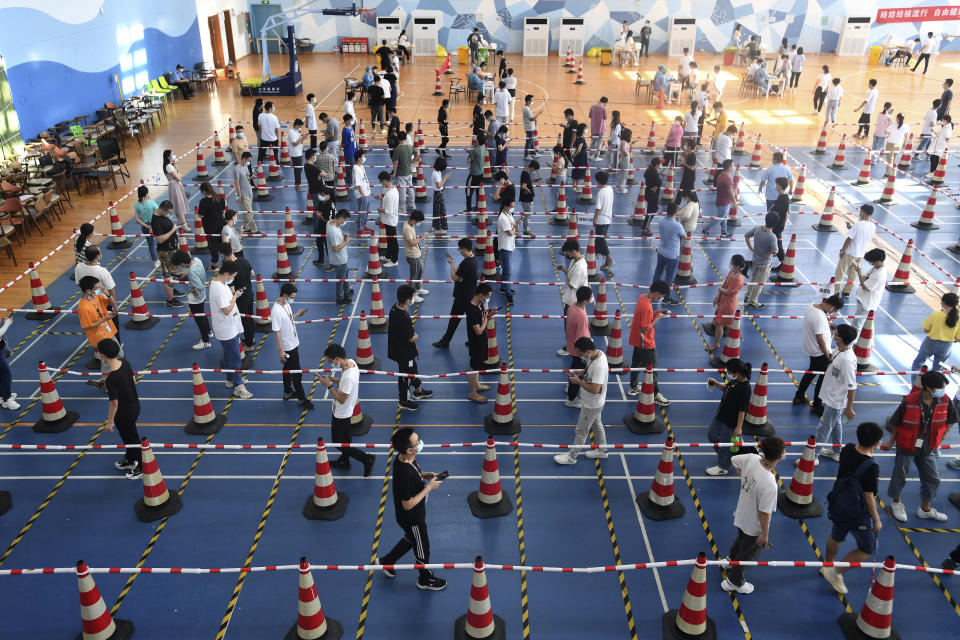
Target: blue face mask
938,393
240,134
420,446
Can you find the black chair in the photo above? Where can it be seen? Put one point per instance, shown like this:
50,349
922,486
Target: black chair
110,153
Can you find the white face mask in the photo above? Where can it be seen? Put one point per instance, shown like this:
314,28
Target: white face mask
230,281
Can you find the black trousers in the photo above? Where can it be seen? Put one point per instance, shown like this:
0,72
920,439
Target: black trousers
246,307
213,246
415,538
573,389
403,382
393,249
444,136
320,227
340,432
780,251
293,382
817,363
818,97
313,138
794,80
641,358
458,308
185,89
934,161
126,423
925,59
644,48
203,323
864,124
262,152
474,184
744,549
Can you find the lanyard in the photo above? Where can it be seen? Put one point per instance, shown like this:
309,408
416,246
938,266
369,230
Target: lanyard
286,307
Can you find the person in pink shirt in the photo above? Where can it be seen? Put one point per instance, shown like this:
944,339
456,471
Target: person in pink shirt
578,326
623,158
674,140
598,127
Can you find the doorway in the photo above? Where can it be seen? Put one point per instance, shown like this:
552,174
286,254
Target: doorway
216,42
228,29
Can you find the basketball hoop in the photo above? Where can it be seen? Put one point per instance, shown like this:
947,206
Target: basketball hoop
367,14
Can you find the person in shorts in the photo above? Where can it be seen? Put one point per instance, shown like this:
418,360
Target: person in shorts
168,242
478,319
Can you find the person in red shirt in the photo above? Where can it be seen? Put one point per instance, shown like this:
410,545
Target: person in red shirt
578,326
642,338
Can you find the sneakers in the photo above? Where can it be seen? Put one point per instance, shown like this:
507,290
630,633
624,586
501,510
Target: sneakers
898,511
954,464
949,564
305,404
407,405
136,473
417,299
832,454
564,458
661,400
433,583
200,346
633,391
573,404
422,393
440,344
390,573
289,395
240,391
423,291
368,465
156,264
835,579
595,454
176,304
670,301
756,305
933,514
125,465
745,589
717,470
563,352
387,264
10,404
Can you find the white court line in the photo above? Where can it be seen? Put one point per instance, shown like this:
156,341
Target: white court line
643,528
349,74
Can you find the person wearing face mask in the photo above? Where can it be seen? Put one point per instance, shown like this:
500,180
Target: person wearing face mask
96,321
324,205
402,349
815,344
919,425
578,326
411,486
196,294
177,194
227,327
507,227
283,324
243,183
726,300
361,185
942,329
168,242
295,146
345,398
239,144
728,421
592,380
311,118
229,235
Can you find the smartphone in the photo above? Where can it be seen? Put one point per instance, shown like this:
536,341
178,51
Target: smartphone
443,475
449,256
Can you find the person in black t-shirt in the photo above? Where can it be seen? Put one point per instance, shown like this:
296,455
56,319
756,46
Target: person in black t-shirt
375,102
478,319
168,242
464,279
506,191
242,281
411,486
781,207
325,209
733,407
402,349
569,134
869,437
526,195
651,192
124,406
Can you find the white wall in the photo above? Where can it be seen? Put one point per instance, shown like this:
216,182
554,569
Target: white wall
238,9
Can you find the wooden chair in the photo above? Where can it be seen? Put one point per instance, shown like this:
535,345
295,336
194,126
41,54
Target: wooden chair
100,171
456,89
471,93
39,209
7,246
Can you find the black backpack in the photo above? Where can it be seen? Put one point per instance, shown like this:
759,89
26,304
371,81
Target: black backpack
845,502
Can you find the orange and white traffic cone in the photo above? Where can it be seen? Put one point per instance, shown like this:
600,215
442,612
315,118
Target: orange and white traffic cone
685,265
340,191
592,274
273,169
117,239
284,149
690,621
599,323
311,623
556,166
493,352
536,141
489,259
569,61
631,180
365,358
218,156
283,272
822,142
887,196
797,500
325,503
96,621
201,164
308,215
420,184
572,232
480,238
901,277
941,171
199,238
756,422
205,420
640,209
757,153
840,160
490,501
293,249
864,177
479,622
261,191
955,249
54,418
906,158
38,296
487,171
740,148
927,221
615,343
361,136
221,190
712,178
373,262
360,422
157,503
668,191
660,503
140,320
863,347
378,320
651,141
232,132
826,216
731,344
586,194
437,88
876,616
799,187
504,420
787,275
262,323
579,79
561,217
645,419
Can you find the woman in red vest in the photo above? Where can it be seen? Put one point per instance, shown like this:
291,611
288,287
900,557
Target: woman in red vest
919,425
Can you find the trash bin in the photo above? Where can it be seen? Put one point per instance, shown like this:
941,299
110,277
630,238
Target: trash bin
875,52
729,55
606,56
463,55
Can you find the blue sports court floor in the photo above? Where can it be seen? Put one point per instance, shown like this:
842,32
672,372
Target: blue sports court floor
244,507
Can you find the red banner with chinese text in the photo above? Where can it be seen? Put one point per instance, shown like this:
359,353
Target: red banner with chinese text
917,14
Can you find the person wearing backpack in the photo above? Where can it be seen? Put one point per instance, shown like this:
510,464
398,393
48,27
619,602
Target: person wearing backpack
852,503
919,425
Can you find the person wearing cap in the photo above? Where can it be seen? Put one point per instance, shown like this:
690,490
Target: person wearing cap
592,380
859,235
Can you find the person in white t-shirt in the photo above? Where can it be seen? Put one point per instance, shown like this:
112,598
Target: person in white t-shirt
755,505
837,394
815,344
345,398
269,132
576,273
603,218
718,82
501,102
361,185
858,238
927,128
390,216
820,89
834,94
896,135
511,83
283,323
866,109
593,394
872,285
227,327
311,119
925,52
507,227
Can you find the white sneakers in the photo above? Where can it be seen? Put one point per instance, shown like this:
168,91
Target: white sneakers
717,470
200,346
573,404
898,511
240,391
633,391
835,579
595,454
933,514
831,453
10,403
661,400
564,458
388,264
562,352
745,589
422,291
417,299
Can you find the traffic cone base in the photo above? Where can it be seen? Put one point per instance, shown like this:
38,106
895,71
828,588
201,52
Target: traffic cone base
261,197
377,325
276,275
655,512
599,330
139,325
762,430
955,499
923,226
900,288
644,428
495,428
124,630
334,512
483,510
374,364
362,426
294,251
460,631
670,631
34,315
826,228
117,244
955,249
57,426
797,511
334,631
147,513
848,624
205,428
785,282
6,502
262,327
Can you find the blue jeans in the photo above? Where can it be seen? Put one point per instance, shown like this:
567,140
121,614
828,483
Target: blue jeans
723,210
340,272
528,147
666,269
362,213
152,247
719,433
6,377
831,427
232,358
924,143
505,270
926,467
939,349
878,142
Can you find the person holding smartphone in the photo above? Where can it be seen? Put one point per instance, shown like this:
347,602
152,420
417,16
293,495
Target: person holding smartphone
227,327
478,319
411,486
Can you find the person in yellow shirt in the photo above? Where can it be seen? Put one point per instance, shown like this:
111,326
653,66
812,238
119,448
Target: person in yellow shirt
942,331
96,322
719,122
239,144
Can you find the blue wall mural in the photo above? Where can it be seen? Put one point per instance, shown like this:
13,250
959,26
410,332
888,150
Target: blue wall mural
62,55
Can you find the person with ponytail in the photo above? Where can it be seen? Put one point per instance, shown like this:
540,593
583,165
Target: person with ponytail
726,300
942,331
82,242
733,407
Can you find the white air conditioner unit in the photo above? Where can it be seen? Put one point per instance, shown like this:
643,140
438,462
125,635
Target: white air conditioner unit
425,30
573,33
536,36
683,35
388,28
854,36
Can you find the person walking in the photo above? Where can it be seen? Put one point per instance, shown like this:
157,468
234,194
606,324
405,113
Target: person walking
592,381
768,181
866,108
578,326
837,394
243,183
942,330
919,424
402,349
834,95
411,486
925,50
196,294
763,245
930,119
124,406
345,398
283,324
938,146
227,327
725,301
598,128
854,247
728,421
413,253
755,506
872,285
390,217
820,89
882,130
337,243
464,278
643,339
668,252
899,131
815,344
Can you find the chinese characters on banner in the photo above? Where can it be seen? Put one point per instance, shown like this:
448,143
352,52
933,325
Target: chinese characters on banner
919,14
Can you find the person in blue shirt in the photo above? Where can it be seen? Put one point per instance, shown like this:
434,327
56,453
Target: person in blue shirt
668,253
768,180
348,145
368,77
661,79
181,80
763,77
474,82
